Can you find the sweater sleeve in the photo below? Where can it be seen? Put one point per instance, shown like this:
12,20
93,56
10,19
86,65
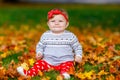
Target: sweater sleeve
40,46
77,47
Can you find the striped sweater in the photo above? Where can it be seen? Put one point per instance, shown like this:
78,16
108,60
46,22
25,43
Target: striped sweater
58,48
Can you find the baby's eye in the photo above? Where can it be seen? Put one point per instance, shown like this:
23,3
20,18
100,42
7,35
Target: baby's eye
60,20
53,21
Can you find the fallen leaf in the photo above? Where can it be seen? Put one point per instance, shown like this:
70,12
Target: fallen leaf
102,72
31,61
25,66
59,77
40,73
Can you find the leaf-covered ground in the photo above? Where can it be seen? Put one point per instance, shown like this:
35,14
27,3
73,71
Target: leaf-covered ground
101,53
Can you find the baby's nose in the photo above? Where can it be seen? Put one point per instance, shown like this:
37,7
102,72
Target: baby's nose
56,22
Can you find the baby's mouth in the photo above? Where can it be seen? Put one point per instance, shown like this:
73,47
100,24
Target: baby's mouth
56,27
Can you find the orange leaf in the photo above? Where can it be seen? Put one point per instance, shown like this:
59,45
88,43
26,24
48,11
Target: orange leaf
111,77
118,77
102,72
112,69
59,77
40,73
71,71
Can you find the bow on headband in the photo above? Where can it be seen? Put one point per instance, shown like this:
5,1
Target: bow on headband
53,12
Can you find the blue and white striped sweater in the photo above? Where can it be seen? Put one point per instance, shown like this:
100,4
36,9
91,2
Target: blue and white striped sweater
58,48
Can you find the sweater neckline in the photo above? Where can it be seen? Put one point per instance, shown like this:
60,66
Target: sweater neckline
57,34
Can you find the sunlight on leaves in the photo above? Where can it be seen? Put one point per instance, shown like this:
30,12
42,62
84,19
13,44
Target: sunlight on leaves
100,60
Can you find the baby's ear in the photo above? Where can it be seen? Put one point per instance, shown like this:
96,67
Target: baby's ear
67,24
47,23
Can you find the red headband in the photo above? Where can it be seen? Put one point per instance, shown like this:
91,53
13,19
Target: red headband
53,12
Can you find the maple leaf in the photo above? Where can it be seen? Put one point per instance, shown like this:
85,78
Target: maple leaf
31,61
80,75
85,75
89,74
40,73
71,71
25,66
102,72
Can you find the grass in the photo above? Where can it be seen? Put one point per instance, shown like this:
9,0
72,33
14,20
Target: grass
79,15
9,58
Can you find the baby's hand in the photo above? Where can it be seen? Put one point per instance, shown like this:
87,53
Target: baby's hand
78,59
38,56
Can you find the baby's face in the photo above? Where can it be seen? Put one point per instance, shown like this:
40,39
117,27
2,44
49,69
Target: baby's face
57,24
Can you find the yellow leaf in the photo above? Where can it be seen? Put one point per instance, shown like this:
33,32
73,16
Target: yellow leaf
102,72
101,59
1,62
16,48
95,57
100,44
4,55
59,77
21,42
86,75
25,66
46,78
80,75
89,74
31,61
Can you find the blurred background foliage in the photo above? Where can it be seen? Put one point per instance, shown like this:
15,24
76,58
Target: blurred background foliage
82,15
97,26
